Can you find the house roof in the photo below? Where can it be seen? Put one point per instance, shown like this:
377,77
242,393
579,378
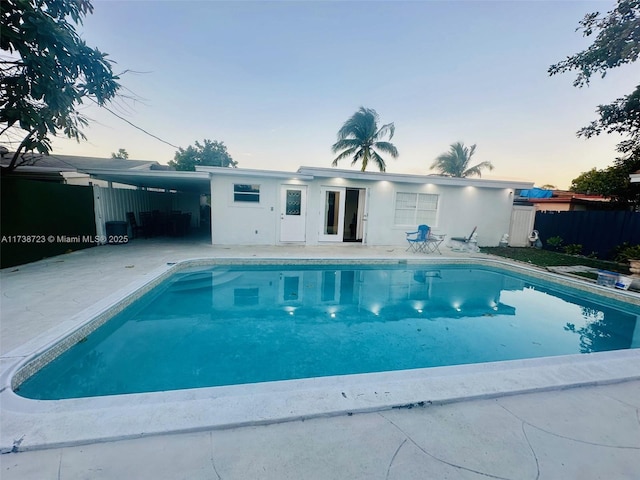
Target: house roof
309,173
565,196
143,175
414,178
249,172
71,163
195,182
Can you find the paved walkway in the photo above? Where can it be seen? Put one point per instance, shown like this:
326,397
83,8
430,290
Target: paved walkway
582,433
585,433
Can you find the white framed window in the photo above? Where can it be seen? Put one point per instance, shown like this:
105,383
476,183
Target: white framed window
413,209
243,192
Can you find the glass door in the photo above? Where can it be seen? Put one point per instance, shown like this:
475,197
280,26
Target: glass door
332,227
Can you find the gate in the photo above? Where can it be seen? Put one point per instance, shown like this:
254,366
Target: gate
522,221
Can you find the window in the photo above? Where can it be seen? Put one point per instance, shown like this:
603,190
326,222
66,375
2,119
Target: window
416,209
245,297
291,289
246,193
293,202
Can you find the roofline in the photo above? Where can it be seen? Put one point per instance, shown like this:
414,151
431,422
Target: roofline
309,173
569,199
414,178
144,173
248,172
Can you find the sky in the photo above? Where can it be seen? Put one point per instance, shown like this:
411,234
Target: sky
275,80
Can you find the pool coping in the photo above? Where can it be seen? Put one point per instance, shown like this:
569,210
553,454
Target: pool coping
33,424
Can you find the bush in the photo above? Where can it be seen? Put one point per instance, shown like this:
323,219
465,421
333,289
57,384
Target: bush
626,252
573,249
554,243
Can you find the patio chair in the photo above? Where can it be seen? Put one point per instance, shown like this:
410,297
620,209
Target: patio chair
146,219
136,229
465,244
417,240
432,243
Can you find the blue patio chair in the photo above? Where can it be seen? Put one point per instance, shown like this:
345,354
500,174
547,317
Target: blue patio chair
417,240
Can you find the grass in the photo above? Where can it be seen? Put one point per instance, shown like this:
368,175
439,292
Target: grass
547,258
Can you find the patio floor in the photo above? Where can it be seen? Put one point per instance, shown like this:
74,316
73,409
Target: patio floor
588,432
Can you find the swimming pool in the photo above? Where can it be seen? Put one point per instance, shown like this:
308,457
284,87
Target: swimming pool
239,324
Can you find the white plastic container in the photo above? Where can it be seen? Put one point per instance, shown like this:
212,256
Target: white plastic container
607,279
623,282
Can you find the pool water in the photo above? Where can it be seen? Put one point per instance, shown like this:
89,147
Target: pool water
245,324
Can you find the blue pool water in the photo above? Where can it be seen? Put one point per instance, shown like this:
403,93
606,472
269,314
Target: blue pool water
242,324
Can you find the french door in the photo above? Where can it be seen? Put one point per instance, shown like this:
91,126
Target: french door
332,222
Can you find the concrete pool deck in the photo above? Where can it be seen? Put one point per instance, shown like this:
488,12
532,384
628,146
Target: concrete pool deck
554,432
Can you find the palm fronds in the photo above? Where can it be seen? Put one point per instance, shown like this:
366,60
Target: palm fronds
455,162
360,137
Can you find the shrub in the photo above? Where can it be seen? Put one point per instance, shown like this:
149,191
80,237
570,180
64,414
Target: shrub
573,249
554,243
626,252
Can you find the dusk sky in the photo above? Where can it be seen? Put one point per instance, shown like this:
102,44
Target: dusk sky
275,81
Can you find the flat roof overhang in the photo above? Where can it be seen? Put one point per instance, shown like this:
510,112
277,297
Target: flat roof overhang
310,173
193,182
414,178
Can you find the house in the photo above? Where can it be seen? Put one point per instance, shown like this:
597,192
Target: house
69,169
321,206
312,206
564,200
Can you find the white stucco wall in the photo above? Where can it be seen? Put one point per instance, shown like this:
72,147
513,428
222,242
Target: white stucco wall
243,223
460,208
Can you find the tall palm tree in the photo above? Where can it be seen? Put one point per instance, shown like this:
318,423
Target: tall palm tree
455,163
360,137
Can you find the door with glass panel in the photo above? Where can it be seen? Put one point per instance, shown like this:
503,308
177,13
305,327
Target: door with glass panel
332,220
293,213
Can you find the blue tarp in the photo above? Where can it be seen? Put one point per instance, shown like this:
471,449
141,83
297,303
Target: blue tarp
536,193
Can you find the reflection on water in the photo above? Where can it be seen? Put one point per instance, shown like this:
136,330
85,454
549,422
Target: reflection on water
229,326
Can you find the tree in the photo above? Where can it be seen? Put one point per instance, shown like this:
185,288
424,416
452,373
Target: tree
121,153
455,163
211,153
46,73
617,42
593,182
611,182
360,138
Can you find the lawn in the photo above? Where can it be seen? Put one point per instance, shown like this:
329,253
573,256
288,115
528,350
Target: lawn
547,258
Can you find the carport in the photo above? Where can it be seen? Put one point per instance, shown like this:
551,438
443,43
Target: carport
159,191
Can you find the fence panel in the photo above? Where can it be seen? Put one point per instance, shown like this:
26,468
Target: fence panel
598,232
42,219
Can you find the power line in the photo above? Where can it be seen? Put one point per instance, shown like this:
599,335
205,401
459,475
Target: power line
134,125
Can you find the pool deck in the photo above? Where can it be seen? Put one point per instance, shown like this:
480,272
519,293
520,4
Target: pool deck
474,422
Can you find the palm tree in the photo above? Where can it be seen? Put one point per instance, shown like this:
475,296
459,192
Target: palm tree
455,163
360,137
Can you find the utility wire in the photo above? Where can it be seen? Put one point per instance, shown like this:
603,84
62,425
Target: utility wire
133,125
